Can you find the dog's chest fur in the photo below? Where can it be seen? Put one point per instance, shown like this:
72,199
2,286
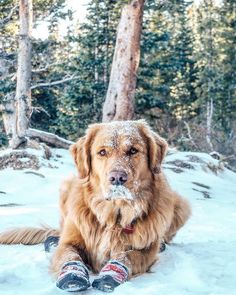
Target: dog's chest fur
101,224
106,241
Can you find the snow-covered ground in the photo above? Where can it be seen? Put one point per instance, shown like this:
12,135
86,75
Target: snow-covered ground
201,260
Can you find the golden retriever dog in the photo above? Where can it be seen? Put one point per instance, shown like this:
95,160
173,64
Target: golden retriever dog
116,212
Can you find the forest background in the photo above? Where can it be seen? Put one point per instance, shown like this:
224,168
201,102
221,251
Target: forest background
186,82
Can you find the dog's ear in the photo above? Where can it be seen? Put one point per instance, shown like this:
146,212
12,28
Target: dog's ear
81,157
81,153
157,147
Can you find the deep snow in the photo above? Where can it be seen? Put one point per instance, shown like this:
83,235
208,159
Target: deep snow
201,260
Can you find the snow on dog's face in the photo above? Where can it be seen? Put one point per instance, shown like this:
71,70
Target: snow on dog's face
119,159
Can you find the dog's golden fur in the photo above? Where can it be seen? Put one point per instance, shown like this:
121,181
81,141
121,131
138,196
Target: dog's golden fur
93,220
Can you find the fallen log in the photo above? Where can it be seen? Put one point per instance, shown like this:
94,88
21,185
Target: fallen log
49,138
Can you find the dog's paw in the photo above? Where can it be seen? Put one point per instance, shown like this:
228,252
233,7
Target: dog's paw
162,247
74,277
73,283
105,284
111,275
51,243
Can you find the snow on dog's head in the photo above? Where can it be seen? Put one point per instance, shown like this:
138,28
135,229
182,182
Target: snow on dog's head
119,159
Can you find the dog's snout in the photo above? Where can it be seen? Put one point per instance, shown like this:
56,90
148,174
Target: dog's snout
118,177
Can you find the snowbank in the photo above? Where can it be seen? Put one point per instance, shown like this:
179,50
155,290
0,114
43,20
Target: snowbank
202,259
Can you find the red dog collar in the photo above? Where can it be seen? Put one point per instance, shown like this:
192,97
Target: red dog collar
129,229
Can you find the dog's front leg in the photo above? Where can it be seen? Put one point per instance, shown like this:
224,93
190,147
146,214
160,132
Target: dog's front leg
67,265
142,260
111,275
124,265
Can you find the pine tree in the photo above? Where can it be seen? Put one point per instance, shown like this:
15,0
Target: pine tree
182,94
81,101
153,89
167,73
8,29
8,39
227,51
209,70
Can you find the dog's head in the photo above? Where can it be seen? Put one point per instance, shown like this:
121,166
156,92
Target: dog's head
119,158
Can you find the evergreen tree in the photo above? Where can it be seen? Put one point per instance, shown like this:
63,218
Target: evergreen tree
227,52
153,89
182,92
82,100
8,29
8,40
209,78
186,79
167,72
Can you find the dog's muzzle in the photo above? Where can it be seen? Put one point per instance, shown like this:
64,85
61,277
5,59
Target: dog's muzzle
119,192
117,177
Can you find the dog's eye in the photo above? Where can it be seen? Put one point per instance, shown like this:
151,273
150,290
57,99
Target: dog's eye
132,151
102,152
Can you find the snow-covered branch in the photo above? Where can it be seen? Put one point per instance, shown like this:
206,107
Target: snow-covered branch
48,84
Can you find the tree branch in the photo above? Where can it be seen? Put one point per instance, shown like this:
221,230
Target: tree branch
189,133
38,110
48,84
46,67
8,18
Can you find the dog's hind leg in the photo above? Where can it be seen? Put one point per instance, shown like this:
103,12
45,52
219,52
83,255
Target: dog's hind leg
50,245
182,212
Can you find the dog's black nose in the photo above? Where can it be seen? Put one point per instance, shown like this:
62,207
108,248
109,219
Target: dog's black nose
118,177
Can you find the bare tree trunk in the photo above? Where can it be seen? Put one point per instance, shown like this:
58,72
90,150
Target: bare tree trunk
7,106
17,108
210,104
210,109
119,103
8,113
23,90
